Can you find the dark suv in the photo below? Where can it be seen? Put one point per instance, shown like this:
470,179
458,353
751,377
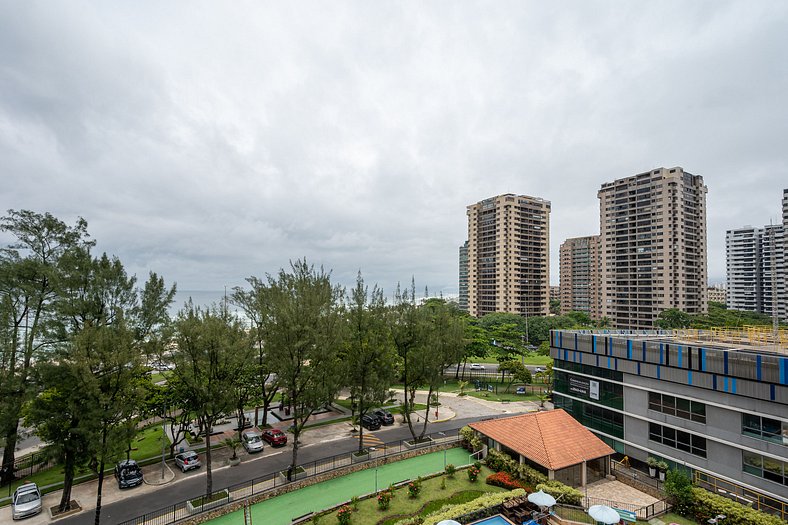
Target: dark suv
128,474
384,416
370,422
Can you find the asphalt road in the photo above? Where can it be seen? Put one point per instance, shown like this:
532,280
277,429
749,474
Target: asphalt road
134,506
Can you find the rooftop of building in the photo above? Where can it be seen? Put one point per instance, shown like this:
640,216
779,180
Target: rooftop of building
553,439
753,339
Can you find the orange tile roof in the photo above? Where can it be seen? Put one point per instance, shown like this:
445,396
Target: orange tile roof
553,438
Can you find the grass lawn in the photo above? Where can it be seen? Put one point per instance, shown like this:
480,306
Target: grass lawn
502,395
432,498
147,444
675,518
531,359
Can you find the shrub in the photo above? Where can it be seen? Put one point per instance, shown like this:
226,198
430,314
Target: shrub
443,483
679,488
354,502
344,514
709,505
505,480
384,499
500,462
557,490
450,470
482,502
652,462
414,488
530,475
473,474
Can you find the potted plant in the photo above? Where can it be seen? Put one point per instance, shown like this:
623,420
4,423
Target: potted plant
233,443
663,468
652,466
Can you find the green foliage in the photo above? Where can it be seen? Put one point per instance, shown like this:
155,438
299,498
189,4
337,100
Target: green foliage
414,488
556,489
530,475
344,515
482,502
354,502
652,462
709,505
501,462
673,318
384,498
450,470
473,473
679,487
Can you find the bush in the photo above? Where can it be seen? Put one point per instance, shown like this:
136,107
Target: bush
450,470
530,476
344,514
473,474
505,480
500,462
414,488
482,502
384,500
467,434
709,505
354,502
679,488
556,489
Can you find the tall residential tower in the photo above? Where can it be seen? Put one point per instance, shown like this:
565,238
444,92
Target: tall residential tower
653,246
508,255
579,273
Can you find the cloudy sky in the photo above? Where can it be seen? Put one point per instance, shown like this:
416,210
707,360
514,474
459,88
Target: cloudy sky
210,141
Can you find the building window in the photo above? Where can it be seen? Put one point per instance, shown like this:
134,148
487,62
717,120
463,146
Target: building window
764,428
670,437
676,406
592,416
765,467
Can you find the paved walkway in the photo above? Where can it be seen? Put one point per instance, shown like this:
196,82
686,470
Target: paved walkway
617,491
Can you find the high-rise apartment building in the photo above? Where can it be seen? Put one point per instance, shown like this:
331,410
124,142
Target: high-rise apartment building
580,276
463,302
653,246
509,255
717,294
757,266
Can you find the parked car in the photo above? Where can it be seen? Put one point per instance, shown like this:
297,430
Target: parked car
370,422
187,460
275,437
26,501
538,369
384,416
128,474
520,390
252,442
476,366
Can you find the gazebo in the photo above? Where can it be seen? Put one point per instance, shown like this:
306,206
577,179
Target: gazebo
552,442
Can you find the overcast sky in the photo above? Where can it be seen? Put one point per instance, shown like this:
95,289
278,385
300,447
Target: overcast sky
213,141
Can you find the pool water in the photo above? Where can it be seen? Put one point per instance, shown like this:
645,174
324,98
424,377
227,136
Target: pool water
494,520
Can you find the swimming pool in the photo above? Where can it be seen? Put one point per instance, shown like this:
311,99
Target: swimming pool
494,520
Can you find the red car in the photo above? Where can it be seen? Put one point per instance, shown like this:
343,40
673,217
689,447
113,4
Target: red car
275,437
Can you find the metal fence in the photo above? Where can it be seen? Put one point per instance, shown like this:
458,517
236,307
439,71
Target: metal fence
636,475
643,512
32,463
274,480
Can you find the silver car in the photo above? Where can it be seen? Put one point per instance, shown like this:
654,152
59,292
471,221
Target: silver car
252,441
187,460
26,501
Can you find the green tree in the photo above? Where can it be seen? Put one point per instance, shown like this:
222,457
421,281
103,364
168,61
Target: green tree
170,402
256,305
555,306
213,350
304,335
28,269
673,318
517,372
368,356
679,488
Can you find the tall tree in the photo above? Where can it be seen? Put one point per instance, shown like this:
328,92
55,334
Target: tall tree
213,350
28,268
304,336
256,305
368,356
407,327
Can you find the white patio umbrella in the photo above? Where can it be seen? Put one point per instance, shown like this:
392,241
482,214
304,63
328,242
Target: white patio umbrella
449,522
604,514
541,498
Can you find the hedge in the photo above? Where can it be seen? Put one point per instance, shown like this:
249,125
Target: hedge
454,511
709,505
567,495
507,481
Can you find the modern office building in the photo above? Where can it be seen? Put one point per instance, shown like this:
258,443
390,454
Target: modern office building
463,301
509,255
580,276
653,246
713,403
757,266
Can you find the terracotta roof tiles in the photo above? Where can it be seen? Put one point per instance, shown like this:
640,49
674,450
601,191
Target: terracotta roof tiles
553,438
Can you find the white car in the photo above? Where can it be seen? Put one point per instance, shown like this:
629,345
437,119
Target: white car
252,442
26,501
538,369
476,366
